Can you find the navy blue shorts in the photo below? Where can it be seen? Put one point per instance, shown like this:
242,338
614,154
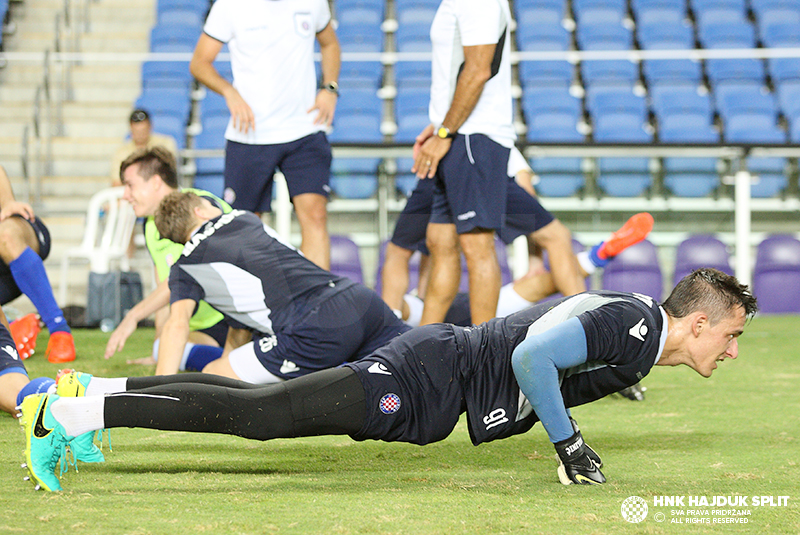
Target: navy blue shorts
8,287
471,184
409,231
347,326
524,214
412,387
9,363
250,170
218,331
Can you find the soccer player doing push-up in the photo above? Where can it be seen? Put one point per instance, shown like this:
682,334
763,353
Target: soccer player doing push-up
506,374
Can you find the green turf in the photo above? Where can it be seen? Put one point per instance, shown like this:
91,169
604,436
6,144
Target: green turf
737,433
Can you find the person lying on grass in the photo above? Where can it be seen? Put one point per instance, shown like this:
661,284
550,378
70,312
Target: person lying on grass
506,374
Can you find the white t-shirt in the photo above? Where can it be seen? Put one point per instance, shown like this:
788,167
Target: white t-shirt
460,23
271,43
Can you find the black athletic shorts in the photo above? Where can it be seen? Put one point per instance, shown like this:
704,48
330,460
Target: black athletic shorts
412,387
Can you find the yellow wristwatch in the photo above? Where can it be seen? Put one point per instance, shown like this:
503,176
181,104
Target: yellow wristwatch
444,133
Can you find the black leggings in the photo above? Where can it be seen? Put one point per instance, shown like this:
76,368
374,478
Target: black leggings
328,402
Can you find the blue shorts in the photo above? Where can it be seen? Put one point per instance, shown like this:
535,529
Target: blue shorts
524,214
346,326
9,363
409,231
8,287
471,184
250,170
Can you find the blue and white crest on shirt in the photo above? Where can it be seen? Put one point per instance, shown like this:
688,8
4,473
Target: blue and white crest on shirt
389,404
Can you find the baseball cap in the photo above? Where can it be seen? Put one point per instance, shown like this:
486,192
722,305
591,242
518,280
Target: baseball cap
139,115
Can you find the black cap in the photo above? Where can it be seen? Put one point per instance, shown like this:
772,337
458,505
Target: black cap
139,115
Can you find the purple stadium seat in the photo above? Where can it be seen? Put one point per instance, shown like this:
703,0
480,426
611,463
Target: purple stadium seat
702,250
345,259
776,278
636,269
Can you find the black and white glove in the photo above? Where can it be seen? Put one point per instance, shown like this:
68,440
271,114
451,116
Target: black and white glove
589,451
576,466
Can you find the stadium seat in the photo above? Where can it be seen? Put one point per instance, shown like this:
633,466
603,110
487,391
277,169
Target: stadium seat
106,236
624,177
345,258
166,74
181,15
776,277
354,178
174,38
599,11
664,11
672,71
209,174
558,177
636,269
356,128
699,251
412,74
360,74
603,37
361,14
213,105
661,35
769,176
686,128
691,177
405,181
363,101
667,100
409,126
360,38
166,101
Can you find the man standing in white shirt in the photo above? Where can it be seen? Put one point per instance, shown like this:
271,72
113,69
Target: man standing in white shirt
278,116
465,149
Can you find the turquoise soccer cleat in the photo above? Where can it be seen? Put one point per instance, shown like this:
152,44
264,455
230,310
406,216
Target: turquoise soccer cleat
70,383
45,441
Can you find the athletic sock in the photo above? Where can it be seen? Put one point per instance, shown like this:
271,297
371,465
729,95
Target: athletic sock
79,415
415,306
595,259
586,263
510,301
199,356
100,386
40,385
29,274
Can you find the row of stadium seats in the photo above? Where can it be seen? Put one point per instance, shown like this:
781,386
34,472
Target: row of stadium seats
776,277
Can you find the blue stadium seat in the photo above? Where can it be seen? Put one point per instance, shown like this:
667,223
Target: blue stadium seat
558,177
213,105
174,38
181,15
671,71
210,171
789,98
169,74
542,37
354,178
599,11
611,99
405,181
738,99
360,74
539,14
362,14
691,177
679,99
360,38
413,38
604,37
412,73
356,128
665,11
727,35
686,128
413,99
409,126
536,100
660,35
771,176
171,126
166,101
778,25
624,177
355,100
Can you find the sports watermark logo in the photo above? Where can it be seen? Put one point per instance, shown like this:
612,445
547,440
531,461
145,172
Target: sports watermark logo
699,509
634,509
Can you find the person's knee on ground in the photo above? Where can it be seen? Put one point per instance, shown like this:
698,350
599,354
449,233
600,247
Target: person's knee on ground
312,214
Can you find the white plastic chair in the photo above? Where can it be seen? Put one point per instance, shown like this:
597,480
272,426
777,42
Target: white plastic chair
107,213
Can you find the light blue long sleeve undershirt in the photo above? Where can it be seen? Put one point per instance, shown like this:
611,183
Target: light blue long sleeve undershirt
536,362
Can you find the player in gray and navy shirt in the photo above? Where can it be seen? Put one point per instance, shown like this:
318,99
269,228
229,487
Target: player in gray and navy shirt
506,374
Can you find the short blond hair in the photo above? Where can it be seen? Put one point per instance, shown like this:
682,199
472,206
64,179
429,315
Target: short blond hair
175,216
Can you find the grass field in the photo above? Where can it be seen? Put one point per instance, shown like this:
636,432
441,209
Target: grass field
737,433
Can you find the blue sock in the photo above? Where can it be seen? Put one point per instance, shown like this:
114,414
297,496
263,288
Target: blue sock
200,356
29,274
596,260
40,385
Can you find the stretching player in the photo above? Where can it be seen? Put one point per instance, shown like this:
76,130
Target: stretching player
506,374
288,316
149,175
24,244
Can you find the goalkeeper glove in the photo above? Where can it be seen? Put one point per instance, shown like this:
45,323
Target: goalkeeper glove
575,464
589,451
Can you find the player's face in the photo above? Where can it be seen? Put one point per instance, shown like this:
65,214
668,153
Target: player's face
143,194
717,343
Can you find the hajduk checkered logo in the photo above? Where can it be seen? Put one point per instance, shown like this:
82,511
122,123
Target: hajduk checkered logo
390,403
634,509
